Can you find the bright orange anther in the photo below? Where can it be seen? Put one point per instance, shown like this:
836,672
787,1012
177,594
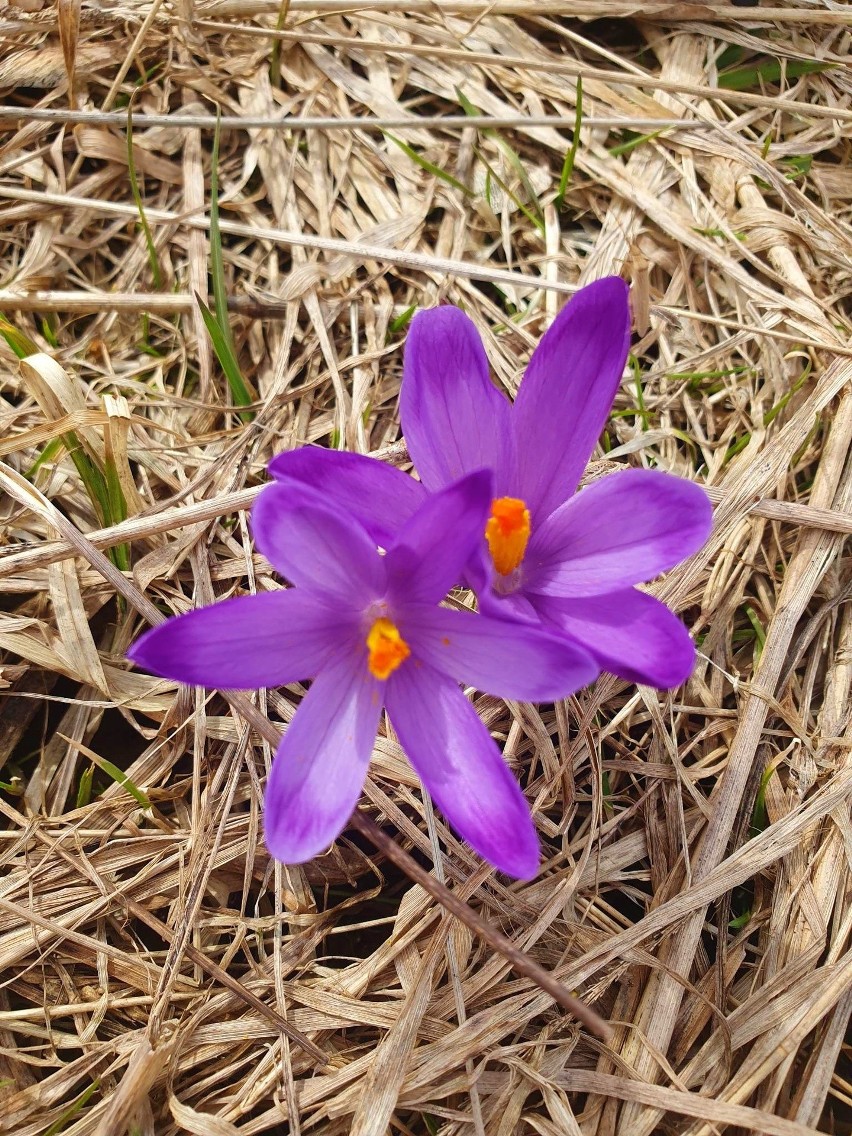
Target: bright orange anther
507,533
387,649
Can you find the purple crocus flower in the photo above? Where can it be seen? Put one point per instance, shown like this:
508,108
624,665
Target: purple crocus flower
369,630
568,560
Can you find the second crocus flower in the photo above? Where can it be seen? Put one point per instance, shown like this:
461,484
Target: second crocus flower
549,555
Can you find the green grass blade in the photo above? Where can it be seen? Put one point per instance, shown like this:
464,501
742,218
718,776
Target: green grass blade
632,142
570,157
518,166
513,197
770,71
275,58
120,553
467,106
121,778
17,340
217,263
640,392
84,789
402,321
223,347
153,260
72,1110
219,325
428,166
106,766
535,214
92,477
49,331
775,410
50,451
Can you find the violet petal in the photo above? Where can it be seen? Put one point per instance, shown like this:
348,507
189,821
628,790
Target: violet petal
454,419
630,633
244,643
433,548
379,496
622,530
316,546
462,768
565,397
512,660
319,768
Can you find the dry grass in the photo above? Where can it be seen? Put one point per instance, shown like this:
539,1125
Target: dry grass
696,885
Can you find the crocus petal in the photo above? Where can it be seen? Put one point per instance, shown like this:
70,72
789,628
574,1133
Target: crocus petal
379,496
432,550
462,768
566,394
320,766
509,605
454,419
630,634
620,531
512,660
245,643
316,546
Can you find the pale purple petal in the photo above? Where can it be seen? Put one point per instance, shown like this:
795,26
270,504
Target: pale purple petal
622,530
320,766
379,496
565,397
462,768
245,643
512,660
317,546
631,635
454,419
432,550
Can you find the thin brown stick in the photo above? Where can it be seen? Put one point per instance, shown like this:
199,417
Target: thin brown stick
354,122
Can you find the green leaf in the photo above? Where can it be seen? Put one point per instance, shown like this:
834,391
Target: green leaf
402,320
153,260
430,167
120,778
536,215
20,343
799,166
568,164
223,348
70,1112
275,58
770,71
632,141
222,337
84,789
49,452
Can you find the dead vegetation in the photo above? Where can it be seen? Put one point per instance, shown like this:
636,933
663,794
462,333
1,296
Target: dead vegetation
160,973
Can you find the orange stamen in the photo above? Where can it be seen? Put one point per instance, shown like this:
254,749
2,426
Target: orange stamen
507,533
387,649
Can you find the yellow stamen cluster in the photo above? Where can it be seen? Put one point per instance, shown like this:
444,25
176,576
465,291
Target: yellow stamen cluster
387,648
507,533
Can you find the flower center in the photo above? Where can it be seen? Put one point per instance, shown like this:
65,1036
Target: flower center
507,533
387,648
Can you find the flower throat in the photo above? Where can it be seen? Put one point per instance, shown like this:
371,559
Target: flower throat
508,533
386,649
